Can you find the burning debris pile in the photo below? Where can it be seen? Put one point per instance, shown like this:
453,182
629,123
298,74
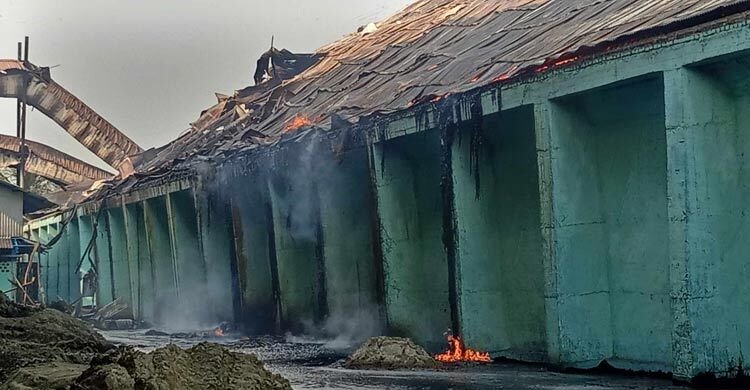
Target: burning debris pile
400,353
457,352
390,353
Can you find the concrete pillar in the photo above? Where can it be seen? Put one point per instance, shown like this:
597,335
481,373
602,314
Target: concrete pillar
347,239
57,281
190,268
49,268
708,145
408,185
105,291
73,239
254,247
216,236
499,239
119,255
603,189
162,257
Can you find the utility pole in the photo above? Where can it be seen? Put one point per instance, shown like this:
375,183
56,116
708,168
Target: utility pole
23,55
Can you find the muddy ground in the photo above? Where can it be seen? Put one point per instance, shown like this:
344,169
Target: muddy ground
309,364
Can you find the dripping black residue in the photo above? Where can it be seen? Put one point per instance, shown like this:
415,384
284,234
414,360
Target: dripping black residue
477,138
448,129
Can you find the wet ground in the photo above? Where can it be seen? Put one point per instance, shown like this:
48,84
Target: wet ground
314,365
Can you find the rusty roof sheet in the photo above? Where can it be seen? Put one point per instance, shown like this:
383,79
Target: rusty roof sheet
83,123
6,65
439,47
431,49
51,163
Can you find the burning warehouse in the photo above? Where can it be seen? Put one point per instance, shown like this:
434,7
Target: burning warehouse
554,181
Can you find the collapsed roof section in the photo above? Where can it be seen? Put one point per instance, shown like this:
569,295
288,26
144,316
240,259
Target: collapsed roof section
33,84
432,49
48,162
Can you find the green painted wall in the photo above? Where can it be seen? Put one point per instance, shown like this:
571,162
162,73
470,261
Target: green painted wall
48,263
708,123
295,224
215,222
146,275
57,281
162,258
345,214
415,264
73,239
130,220
609,172
499,238
253,234
103,256
119,245
189,265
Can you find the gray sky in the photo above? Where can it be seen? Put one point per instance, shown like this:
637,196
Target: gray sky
151,66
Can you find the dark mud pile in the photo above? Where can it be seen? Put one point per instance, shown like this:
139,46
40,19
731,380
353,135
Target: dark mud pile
390,353
33,336
204,366
46,349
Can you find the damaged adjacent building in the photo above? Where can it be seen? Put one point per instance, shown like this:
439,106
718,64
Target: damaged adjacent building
561,182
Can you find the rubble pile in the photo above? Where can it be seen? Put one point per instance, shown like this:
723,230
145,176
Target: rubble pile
32,336
390,353
46,349
204,366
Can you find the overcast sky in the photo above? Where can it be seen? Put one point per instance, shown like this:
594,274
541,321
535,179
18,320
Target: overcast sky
151,66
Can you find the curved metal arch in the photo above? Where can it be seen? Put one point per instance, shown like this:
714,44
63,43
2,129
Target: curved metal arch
23,80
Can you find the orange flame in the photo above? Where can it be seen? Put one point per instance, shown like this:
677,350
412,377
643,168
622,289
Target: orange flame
457,352
557,64
297,123
218,332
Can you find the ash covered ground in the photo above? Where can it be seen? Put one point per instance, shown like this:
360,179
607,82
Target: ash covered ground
316,364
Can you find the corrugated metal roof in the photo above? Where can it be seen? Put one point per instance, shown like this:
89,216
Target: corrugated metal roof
51,163
11,65
437,47
433,48
6,243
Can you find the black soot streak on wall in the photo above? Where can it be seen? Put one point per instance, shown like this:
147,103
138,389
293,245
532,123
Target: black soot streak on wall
448,128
